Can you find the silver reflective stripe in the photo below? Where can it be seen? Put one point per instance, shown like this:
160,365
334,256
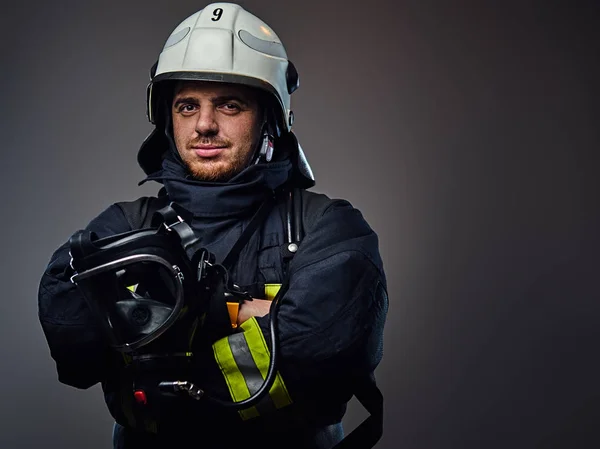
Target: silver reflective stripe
247,366
177,37
269,47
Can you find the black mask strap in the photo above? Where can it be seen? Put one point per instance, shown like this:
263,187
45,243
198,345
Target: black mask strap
174,218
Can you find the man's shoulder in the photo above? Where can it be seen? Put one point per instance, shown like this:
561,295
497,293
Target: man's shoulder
139,212
335,225
137,202
316,201
316,205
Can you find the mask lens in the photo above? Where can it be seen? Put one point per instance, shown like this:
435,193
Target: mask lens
136,300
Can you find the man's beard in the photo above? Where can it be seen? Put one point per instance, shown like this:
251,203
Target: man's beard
217,172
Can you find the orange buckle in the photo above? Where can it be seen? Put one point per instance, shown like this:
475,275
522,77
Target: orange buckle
233,308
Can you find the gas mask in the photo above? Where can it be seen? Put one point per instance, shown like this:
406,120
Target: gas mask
158,295
150,288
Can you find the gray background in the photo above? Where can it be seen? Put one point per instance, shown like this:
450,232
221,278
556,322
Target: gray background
467,134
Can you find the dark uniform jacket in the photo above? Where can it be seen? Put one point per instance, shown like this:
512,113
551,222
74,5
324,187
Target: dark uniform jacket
330,319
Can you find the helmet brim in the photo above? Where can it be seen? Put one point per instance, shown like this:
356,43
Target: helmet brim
217,77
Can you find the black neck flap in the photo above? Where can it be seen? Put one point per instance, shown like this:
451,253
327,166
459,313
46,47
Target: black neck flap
259,216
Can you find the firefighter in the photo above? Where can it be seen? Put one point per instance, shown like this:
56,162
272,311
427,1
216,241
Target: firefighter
222,147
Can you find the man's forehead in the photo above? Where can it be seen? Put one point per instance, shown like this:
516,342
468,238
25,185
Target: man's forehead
186,88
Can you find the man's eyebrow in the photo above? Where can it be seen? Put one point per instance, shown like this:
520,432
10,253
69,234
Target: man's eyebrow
226,98
215,100
188,100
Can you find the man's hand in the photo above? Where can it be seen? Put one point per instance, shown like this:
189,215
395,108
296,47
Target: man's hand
256,307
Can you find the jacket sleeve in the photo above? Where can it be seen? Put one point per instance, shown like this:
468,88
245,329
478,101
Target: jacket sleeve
330,319
75,340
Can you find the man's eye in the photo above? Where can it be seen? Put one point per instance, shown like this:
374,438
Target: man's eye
230,107
187,108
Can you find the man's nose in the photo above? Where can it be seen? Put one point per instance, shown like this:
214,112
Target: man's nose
206,123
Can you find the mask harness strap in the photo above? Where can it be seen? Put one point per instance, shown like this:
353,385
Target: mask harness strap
172,217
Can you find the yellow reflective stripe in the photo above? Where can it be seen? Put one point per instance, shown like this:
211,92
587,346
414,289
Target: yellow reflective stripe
271,290
261,355
233,376
253,350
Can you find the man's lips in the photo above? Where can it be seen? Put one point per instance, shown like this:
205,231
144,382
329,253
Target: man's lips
207,150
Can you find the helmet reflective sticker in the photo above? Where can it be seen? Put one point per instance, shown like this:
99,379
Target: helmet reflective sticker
177,37
268,47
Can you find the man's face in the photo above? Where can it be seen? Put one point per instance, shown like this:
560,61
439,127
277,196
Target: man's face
216,128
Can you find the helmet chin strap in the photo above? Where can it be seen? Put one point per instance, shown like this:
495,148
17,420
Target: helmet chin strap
264,149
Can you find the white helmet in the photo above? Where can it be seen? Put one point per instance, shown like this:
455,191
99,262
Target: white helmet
223,43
